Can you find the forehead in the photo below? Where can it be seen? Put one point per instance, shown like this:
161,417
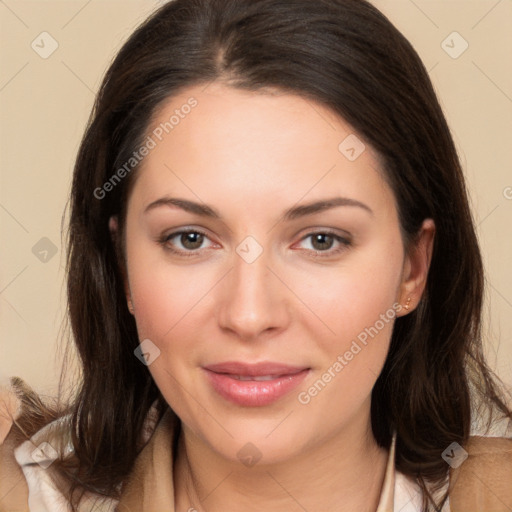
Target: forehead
222,142
226,118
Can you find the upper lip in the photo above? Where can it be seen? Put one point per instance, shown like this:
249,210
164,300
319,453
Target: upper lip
254,369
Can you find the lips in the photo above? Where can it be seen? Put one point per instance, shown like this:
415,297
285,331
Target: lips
254,385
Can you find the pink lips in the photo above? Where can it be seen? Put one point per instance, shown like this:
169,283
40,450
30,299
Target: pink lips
254,385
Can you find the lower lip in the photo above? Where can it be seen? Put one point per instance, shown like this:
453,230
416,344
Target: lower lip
252,393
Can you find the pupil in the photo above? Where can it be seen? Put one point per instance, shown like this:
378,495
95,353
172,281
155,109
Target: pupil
321,238
188,240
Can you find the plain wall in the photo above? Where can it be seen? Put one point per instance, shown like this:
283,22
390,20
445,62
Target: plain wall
45,104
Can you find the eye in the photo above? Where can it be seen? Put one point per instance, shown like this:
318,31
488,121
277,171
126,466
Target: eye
191,240
323,241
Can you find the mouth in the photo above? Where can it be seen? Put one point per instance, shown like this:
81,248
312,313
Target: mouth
254,385
257,378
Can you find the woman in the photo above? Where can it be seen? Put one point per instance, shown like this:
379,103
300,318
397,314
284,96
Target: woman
274,282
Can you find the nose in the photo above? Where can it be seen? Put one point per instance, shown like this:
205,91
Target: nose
254,301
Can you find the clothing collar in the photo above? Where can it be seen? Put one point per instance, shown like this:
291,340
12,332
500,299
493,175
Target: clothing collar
149,487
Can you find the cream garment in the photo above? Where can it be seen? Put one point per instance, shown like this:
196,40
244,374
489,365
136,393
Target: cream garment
483,483
143,492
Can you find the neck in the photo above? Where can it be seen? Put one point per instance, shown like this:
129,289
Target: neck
343,473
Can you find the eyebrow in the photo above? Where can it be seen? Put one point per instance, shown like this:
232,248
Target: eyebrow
291,214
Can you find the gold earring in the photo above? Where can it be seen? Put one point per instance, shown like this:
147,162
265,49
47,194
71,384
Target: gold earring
130,305
407,304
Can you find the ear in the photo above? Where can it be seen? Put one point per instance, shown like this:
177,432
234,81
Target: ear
113,226
416,267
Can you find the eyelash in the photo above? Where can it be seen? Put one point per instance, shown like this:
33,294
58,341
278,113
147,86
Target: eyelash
345,243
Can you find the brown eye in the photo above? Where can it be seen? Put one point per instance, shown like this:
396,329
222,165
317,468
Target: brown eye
184,242
322,241
191,240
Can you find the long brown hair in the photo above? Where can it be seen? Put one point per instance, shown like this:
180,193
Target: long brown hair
346,55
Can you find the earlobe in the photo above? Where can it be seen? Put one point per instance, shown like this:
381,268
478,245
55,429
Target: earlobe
416,266
112,226
130,303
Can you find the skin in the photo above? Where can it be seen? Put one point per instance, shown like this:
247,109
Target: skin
251,156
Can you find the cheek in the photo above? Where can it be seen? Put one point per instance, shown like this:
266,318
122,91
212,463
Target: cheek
164,295
358,297
166,298
359,307
353,357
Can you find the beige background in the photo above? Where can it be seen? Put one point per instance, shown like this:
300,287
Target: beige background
45,103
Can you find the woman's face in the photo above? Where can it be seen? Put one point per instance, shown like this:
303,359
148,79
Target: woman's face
270,322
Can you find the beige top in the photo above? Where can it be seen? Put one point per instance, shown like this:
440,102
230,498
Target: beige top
26,478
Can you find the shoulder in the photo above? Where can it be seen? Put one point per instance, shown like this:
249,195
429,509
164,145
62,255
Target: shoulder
31,439
483,476
13,486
